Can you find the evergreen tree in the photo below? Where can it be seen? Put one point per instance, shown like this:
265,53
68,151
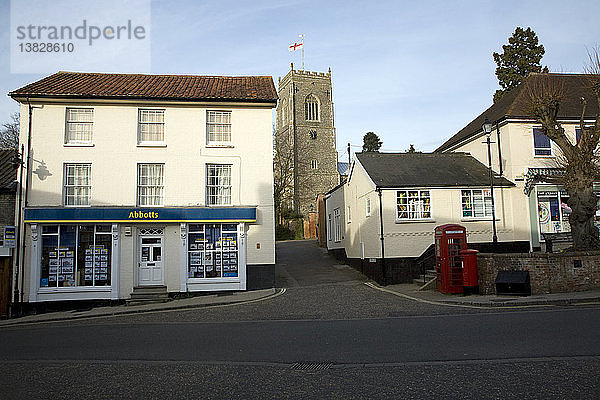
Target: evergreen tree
371,142
521,56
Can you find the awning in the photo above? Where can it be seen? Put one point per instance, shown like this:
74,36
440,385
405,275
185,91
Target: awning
139,214
535,175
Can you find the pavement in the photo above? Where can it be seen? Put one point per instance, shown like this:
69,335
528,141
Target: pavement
410,291
309,276
189,303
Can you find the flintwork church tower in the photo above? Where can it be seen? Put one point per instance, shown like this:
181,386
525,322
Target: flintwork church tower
305,123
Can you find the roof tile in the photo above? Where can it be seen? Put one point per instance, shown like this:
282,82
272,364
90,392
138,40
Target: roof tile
159,87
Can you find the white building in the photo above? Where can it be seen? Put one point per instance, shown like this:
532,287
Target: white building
146,180
382,219
524,155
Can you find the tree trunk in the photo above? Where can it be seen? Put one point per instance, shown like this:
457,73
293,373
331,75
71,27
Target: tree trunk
583,205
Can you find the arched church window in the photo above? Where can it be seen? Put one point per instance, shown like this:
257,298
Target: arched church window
311,108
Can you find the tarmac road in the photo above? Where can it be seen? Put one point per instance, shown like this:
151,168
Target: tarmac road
327,336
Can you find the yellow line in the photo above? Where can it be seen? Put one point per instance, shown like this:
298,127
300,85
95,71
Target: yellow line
438,303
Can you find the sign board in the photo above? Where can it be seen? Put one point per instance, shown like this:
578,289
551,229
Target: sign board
10,236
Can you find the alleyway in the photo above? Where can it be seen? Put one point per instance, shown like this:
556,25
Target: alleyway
303,263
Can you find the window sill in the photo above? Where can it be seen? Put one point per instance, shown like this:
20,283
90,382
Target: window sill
414,221
157,144
219,146
229,279
79,144
77,206
488,219
43,290
543,156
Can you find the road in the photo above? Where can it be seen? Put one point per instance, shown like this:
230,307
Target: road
328,336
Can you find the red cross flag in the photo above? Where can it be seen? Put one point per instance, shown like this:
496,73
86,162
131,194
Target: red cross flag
295,46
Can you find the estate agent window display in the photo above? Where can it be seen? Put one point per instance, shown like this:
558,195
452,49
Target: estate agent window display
76,255
213,251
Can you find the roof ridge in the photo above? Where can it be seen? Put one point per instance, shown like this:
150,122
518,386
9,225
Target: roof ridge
158,75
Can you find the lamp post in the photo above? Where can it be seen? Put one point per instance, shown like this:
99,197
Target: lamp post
487,129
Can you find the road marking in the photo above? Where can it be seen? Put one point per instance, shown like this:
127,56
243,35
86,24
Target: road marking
438,303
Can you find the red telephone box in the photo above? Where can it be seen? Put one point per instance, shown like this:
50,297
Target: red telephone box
450,239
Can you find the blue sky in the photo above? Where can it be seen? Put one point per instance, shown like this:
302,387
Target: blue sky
411,71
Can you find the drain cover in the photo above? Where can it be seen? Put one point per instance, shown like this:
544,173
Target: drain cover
311,367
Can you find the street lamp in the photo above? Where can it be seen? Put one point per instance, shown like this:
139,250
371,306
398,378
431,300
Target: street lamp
487,130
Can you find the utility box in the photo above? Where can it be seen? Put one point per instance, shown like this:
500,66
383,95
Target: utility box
513,283
450,239
470,276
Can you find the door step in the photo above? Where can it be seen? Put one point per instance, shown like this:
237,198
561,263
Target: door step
148,294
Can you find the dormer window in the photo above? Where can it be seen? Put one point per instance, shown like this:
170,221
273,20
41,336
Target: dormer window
311,108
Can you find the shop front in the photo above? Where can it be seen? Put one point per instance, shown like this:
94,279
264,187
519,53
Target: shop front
103,253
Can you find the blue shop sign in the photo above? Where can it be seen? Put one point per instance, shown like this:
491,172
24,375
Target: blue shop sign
133,215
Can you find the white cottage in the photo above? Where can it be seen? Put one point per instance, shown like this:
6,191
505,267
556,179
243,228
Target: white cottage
382,219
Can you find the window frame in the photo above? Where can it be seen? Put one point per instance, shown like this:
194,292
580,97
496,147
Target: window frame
408,218
96,264
330,227
314,164
158,143
219,143
367,206
70,142
66,186
161,186
487,212
535,149
208,185
337,224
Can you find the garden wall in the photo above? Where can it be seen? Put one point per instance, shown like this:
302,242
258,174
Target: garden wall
549,272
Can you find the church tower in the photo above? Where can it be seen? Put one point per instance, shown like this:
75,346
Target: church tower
305,133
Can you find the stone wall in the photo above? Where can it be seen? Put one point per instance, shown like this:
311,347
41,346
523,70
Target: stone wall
549,273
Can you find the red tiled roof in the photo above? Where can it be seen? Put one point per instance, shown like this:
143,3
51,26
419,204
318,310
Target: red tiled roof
516,104
154,87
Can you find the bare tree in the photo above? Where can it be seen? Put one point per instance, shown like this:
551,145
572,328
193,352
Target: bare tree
580,161
9,133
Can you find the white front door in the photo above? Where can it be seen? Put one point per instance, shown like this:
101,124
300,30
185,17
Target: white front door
150,267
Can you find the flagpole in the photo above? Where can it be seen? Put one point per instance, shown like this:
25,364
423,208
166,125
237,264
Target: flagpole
302,41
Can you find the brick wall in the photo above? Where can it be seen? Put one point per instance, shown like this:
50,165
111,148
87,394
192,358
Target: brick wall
549,273
7,208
